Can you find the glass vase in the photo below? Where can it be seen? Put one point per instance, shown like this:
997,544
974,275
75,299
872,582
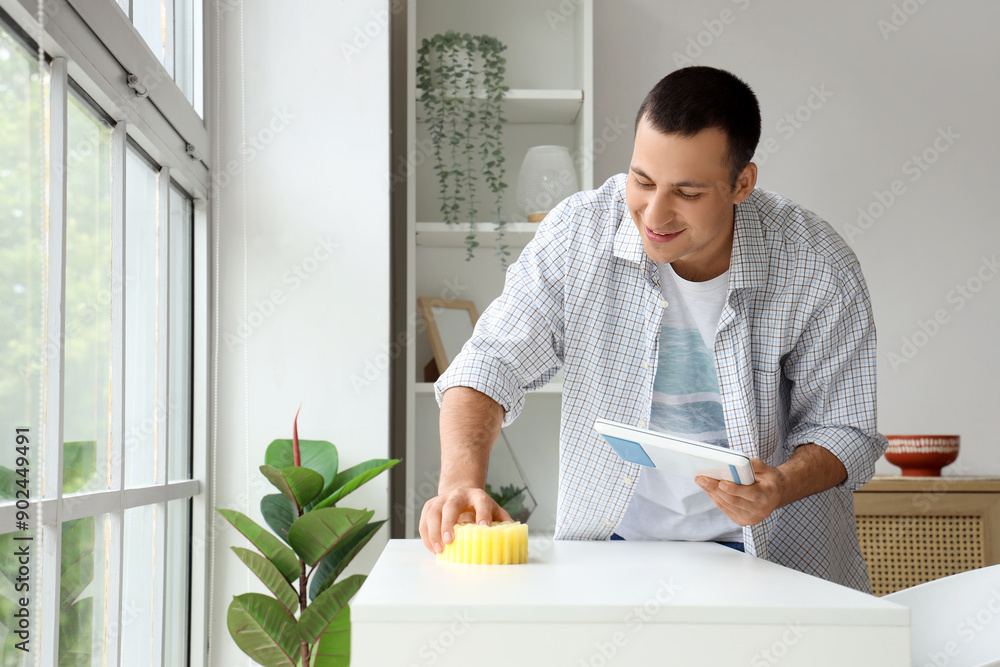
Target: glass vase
547,177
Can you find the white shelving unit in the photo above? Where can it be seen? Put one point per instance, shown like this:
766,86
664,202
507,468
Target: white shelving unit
550,75
525,105
444,235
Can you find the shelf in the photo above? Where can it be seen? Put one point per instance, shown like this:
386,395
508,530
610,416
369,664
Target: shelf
550,388
529,105
444,235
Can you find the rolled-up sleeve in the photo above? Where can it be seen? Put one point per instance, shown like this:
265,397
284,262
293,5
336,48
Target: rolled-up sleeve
517,345
832,373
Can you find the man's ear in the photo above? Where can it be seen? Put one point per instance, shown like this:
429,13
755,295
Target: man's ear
745,183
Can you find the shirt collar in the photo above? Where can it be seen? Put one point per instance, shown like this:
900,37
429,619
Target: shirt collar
628,243
748,263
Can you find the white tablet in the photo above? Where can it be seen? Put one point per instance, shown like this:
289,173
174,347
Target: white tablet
675,455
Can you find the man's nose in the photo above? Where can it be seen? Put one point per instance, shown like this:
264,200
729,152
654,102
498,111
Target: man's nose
659,211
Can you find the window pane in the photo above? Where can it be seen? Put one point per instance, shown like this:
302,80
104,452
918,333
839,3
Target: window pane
178,581
179,432
82,614
21,261
188,50
140,320
137,585
87,374
150,18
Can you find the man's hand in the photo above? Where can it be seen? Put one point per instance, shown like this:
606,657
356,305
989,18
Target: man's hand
463,505
747,504
810,469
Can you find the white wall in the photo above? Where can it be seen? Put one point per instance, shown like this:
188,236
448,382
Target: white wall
317,177
888,92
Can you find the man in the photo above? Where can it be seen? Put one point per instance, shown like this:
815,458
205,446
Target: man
679,298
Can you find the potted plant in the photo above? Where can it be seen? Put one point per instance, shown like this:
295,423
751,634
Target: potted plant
512,499
461,79
306,620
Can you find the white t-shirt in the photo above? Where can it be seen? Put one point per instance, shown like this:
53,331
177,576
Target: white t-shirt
686,403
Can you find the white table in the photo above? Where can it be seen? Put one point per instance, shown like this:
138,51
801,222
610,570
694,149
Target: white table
598,604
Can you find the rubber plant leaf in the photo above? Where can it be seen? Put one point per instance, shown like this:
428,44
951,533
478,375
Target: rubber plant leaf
279,513
330,567
334,647
322,611
271,577
264,630
79,464
269,545
77,570
352,478
318,455
298,484
317,533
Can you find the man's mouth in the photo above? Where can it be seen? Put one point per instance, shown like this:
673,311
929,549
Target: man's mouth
656,237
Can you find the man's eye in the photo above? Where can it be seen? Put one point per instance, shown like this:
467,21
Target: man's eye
687,196
641,184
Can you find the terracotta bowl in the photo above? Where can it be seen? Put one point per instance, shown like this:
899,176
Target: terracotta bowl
922,455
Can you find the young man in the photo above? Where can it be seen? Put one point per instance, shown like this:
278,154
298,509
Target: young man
679,298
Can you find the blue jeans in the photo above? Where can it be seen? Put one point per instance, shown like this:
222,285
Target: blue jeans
732,545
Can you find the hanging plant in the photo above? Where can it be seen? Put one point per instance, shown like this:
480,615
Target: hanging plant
461,79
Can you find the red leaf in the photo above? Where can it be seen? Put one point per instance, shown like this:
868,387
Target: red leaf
296,456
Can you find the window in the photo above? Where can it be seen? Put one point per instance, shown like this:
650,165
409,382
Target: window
172,29
102,373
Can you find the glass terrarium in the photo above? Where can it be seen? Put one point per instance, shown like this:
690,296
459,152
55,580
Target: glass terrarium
506,482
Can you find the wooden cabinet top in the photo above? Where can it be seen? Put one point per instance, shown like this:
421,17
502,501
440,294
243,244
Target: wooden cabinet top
898,484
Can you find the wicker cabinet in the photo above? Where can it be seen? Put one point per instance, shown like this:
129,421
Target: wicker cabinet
914,530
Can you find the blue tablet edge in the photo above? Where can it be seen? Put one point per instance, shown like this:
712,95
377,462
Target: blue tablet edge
630,451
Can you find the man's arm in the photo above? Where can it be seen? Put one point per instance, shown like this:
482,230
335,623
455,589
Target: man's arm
832,412
810,469
470,424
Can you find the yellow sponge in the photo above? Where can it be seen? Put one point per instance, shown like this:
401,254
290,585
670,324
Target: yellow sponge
503,543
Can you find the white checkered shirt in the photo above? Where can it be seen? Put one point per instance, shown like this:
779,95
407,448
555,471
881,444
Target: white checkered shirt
794,351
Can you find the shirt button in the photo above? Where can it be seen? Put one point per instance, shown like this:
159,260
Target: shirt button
642,423
663,304
645,366
609,523
628,480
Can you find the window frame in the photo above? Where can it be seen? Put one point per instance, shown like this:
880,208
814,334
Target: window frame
166,127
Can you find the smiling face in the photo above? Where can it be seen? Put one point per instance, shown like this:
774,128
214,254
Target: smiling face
681,198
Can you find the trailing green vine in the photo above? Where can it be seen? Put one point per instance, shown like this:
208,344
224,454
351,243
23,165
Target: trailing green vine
461,94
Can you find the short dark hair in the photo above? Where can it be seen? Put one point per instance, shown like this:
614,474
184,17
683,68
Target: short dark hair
692,99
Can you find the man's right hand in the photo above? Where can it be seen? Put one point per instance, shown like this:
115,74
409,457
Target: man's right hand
462,505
